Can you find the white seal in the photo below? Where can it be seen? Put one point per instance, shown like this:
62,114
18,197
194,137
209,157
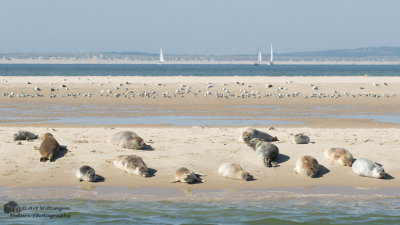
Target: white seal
368,168
234,171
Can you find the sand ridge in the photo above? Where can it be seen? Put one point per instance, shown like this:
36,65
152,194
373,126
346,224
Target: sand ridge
202,149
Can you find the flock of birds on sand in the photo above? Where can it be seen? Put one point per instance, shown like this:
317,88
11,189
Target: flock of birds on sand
122,90
258,140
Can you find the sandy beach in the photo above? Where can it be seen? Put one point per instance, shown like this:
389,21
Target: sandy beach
200,148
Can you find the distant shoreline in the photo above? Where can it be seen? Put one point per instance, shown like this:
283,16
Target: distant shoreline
197,62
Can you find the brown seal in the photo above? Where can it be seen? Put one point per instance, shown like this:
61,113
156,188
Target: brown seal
49,147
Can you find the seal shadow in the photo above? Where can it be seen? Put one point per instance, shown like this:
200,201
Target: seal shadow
151,172
388,177
251,178
147,148
322,171
281,158
63,151
99,179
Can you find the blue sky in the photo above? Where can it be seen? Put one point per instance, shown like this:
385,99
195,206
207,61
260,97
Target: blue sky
196,27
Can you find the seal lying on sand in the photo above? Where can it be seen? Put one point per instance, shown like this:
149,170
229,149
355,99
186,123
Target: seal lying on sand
24,135
184,175
131,164
368,168
307,165
265,150
49,147
301,139
127,139
251,133
86,173
340,156
234,171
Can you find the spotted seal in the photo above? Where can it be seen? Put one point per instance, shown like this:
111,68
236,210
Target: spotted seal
131,164
127,139
339,155
307,165
184,175
301,139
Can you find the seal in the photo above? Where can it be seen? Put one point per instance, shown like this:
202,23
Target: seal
24,135
86,173
251,133
265,150
49,147
301,139
184,175
127,139
367,168
234,171
339,155
131,164
307,165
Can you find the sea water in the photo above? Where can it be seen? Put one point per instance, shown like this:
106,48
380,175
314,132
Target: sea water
273,206
195,70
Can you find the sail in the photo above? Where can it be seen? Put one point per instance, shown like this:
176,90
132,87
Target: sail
272,55
259,58
161,56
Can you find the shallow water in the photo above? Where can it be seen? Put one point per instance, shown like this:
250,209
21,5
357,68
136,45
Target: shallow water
286,206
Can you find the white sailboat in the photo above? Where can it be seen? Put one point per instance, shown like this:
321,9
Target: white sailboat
271,61
259,58
161,57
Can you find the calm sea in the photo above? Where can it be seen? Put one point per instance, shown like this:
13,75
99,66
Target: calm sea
211,207
197,70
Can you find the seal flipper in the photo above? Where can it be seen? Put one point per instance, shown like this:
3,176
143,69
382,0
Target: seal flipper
267,162
274,164
200,175
43,159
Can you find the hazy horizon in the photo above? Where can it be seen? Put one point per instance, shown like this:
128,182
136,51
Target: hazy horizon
223,27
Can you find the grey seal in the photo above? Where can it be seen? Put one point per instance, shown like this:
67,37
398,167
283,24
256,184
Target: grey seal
251,133
127,139
86,173
265,150
24,135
